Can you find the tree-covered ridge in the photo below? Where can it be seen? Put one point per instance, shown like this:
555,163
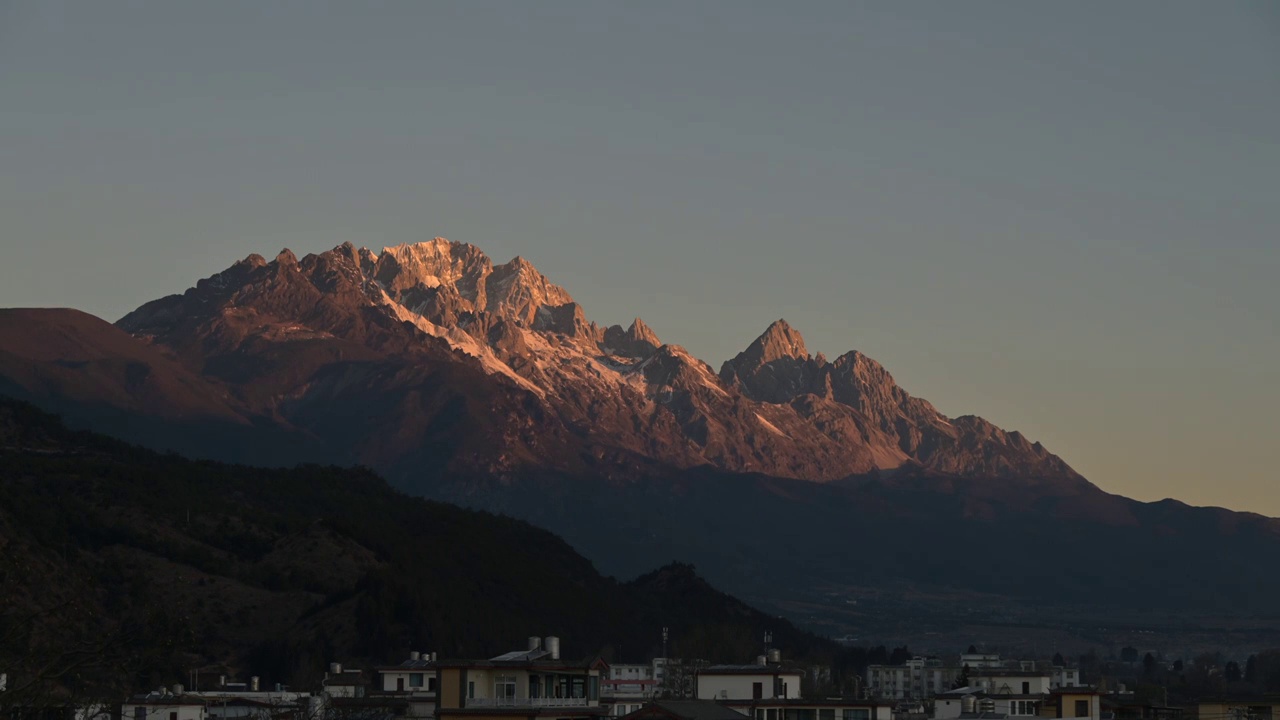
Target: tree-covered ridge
164,565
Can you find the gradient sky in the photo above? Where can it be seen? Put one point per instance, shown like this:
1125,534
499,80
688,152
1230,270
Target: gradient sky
1064,217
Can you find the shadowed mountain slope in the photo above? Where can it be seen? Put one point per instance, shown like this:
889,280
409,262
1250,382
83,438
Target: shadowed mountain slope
172,564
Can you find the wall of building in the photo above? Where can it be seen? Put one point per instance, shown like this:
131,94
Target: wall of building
450,695
741,687
164,712
1068,706
391,678
996,684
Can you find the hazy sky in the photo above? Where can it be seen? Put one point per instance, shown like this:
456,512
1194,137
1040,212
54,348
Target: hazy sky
1064,217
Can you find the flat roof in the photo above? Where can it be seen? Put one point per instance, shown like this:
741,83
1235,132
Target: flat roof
538,664
810,702
750,670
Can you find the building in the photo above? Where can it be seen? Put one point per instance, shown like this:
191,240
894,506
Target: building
997,682
338,683
917,679
625,689
414,681
684,710
1064,677
241,701
165,705
813,709
975,661
762,681
972,702
1237,708
1076,702
524,684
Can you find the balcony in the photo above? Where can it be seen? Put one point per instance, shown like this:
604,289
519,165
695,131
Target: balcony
531,702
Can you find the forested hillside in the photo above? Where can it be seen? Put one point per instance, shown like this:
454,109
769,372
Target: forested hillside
121,569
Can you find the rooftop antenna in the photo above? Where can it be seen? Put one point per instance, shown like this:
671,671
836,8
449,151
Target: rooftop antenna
768,639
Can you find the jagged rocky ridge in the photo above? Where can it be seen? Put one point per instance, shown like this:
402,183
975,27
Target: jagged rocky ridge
394,337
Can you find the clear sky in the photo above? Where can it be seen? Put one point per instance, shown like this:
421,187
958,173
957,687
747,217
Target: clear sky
1064,217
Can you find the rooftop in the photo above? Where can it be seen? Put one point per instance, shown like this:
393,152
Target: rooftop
748,670
813,702
689,710
350,677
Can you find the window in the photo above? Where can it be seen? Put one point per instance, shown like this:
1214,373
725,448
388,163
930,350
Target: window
772,714
399,684
593,687
1026,687
759,713
757,691
1082,708
857,714
415,680
1024,707
826,714
173,715
431,684
139,713
504,687
471,689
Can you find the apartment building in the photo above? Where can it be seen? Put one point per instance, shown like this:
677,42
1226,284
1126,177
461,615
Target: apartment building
527,683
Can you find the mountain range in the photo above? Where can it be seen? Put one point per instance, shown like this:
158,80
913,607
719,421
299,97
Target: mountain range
785,475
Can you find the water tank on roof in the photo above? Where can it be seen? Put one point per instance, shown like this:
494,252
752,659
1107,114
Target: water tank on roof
762,660
433,657
535,643
775,656
969,704
177,689
414,655
335,668
253,684
553,646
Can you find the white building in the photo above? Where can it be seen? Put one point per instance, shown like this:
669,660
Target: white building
164,705
625,688
995,681
969,700
415,681
1061,677
748,682
975,661
824,709
917,679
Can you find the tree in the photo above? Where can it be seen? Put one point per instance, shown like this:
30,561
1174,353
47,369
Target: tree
972,650
1148,664
1059,660
962,679
1177,665
899,656
1129,654
1251,669
1232,672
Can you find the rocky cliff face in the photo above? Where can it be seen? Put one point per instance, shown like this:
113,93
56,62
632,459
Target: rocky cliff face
295,338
